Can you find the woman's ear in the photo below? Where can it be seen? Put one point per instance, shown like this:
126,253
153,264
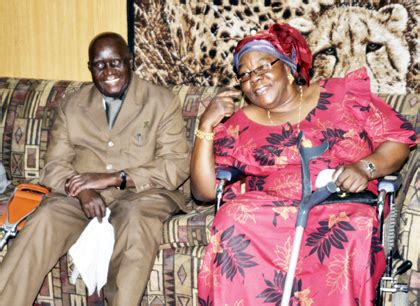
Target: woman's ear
290,76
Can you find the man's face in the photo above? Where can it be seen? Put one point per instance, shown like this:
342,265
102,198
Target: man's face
110,66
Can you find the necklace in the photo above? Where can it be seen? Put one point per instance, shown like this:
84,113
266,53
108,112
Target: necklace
299,110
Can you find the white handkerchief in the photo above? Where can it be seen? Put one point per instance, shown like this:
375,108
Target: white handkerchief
324,177
92,253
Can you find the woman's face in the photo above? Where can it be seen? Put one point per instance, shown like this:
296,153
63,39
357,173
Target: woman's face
265,87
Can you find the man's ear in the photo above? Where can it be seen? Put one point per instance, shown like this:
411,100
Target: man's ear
89,66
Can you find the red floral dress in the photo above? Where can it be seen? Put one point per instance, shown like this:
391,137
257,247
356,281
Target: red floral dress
341,258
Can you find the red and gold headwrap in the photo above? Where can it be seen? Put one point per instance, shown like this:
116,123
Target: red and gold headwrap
282,41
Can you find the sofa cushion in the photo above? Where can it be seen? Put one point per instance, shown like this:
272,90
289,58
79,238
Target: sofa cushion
173,280
28,112
191,229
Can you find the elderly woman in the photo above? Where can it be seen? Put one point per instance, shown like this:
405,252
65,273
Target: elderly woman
341,259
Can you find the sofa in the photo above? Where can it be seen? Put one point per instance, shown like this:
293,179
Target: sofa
27,114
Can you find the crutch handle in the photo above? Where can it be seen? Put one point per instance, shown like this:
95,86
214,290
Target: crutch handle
230,174
7,235
315,198
225,174
3,242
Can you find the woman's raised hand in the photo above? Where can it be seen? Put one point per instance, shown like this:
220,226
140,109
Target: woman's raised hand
203,178
221,106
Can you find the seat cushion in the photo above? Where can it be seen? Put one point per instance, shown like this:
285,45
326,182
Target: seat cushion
186,230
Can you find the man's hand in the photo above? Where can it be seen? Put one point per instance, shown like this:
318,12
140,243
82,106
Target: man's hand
92,204
351,178
84,181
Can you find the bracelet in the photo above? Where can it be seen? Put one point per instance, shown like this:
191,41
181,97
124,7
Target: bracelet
370,167
203,135
123,178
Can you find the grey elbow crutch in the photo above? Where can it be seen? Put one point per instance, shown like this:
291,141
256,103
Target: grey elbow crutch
309,200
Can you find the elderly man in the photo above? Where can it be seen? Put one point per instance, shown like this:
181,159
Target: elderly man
117,143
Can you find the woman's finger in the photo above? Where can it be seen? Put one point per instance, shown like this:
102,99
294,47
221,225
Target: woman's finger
360,188
232,93
229,109
346,182
337,173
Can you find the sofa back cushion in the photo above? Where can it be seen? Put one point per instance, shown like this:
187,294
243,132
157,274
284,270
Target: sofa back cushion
27,114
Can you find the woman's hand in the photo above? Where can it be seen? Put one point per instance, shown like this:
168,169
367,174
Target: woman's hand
351,178
221,106
388,158
203,178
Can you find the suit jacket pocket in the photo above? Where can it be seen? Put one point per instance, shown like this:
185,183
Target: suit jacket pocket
140,148
138,139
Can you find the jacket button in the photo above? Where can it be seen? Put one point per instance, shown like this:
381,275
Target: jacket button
110,144
109,167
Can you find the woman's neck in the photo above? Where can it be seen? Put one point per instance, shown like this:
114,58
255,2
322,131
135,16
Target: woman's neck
289,103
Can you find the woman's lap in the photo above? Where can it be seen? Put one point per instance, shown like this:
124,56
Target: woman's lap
248,255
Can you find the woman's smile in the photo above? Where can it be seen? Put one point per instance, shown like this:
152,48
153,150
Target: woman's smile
261,90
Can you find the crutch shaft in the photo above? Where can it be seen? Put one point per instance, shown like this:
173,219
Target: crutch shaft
288,285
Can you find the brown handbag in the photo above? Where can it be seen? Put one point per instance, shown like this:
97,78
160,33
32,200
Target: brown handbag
25,199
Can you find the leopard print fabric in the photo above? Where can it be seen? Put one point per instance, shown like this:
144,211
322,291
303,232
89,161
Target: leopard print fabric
348,38
181,42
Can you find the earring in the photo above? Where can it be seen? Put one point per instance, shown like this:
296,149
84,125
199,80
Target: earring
290,78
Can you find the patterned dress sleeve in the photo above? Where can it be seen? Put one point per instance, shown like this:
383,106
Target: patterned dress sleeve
225,154
224,146
380,121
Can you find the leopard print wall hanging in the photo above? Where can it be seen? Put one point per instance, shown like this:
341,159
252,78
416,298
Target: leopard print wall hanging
191,42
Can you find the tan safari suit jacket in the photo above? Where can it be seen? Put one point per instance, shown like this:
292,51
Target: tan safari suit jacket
147,140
